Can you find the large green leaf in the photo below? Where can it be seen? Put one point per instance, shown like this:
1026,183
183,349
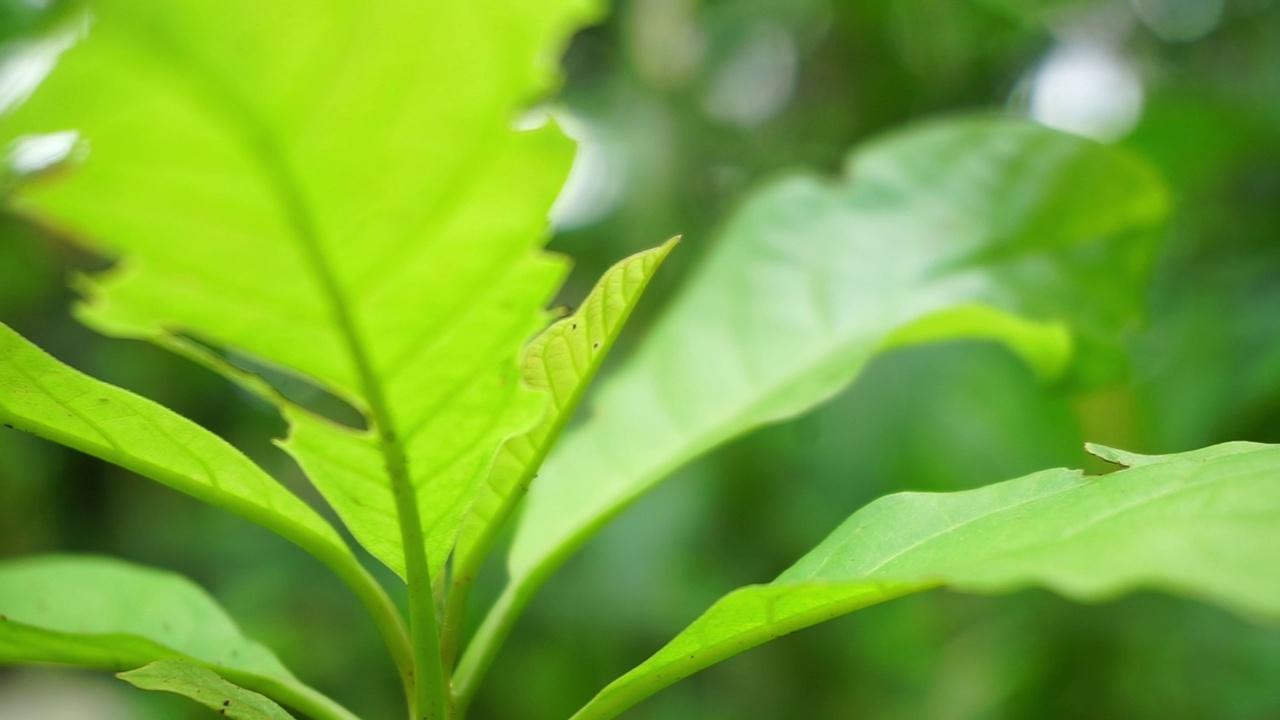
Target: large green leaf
336,189
111,615
980,227
1204,524
205,687
40,395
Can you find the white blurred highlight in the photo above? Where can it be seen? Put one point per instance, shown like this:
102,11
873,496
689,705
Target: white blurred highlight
596,181
1088,89
33,153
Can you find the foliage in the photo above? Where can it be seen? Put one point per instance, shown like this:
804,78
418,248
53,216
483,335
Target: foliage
293,209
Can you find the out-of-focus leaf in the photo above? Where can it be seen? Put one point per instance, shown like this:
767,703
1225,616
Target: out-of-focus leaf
1034,11
975,227
40,395
336,189
111,615
205,687
561,362
1205,524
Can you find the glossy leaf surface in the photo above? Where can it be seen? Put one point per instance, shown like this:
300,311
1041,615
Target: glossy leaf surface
330,189
205,687
1204,524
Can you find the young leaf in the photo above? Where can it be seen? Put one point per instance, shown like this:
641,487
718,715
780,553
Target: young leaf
111,615
1204,524
560,362
977,227
205,687
335,189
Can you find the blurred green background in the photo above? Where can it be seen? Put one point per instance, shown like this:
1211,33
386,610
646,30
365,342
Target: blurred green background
682,107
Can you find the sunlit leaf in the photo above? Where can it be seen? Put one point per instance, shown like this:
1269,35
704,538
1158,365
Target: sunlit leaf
1204,524
205,687
40,395
561,362
110,615
351,204
972,227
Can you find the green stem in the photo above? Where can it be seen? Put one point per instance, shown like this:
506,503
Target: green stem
484,647
386,616
468,564
431,698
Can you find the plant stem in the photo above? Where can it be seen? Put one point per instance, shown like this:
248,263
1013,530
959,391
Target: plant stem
430,697
386,616
468,564
484,647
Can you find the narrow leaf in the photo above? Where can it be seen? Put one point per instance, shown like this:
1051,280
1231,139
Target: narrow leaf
107,614
42,396
560,362
205,687
361,213
974,227
1203,524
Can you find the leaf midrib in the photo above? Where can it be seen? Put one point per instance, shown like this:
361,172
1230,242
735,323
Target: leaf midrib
273,165
275,170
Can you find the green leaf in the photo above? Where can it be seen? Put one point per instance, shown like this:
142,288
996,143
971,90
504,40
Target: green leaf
40,395
972,227
107,614
205,687
1203,524
561,362
335,189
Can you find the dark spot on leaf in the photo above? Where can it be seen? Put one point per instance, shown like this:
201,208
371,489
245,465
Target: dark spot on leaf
573,326
222,711
8,426
226,703
595,345
3,617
